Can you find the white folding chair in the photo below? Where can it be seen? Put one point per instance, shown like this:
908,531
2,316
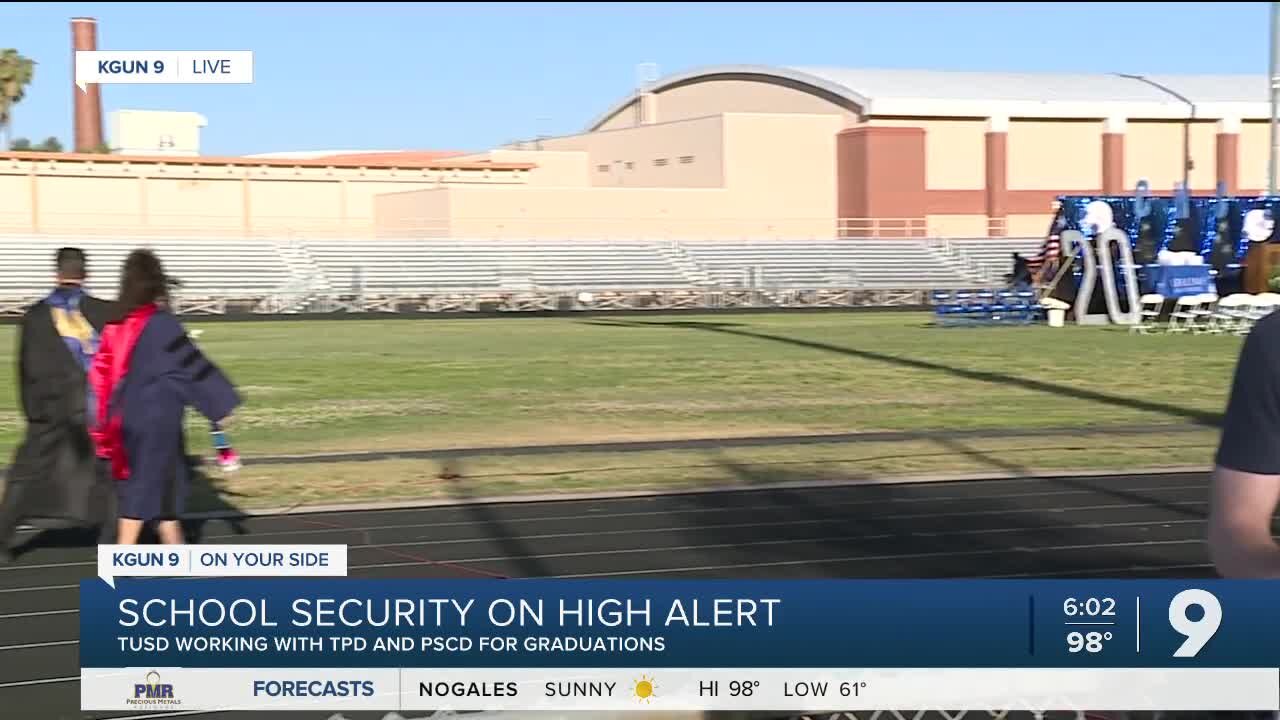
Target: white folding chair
1183,315
1261,305
1203,313
1229,313
1149,308
1225,314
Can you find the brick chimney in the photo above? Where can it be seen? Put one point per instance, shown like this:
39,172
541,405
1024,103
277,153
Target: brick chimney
88,104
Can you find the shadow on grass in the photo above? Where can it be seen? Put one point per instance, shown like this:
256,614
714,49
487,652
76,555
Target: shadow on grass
1197,417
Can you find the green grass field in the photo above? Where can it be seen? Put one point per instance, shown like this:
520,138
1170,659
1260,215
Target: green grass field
321,386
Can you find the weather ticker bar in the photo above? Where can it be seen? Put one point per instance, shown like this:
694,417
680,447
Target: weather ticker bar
679,689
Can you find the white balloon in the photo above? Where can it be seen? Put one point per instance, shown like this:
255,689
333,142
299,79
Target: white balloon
1099,213
1257,226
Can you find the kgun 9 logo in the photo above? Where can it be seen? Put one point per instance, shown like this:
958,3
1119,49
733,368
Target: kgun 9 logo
1199,632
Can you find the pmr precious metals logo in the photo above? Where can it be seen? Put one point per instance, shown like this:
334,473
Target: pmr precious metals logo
153,693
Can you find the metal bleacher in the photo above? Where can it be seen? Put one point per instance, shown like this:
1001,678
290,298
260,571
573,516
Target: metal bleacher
908,263
222,268
992,257
414,265
778,263
862,262
293,276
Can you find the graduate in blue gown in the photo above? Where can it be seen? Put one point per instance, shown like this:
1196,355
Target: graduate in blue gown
146,373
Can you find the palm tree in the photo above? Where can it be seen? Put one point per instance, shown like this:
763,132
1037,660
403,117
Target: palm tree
16,73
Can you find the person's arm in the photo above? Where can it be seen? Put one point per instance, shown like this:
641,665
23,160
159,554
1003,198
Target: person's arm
1241,507
207,388
97,311
1246,482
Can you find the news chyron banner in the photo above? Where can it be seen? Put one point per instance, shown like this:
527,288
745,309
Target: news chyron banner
240,640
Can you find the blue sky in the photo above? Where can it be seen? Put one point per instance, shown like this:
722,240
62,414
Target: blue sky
469,76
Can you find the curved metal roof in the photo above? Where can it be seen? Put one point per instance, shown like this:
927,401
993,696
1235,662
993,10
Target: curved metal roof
948,93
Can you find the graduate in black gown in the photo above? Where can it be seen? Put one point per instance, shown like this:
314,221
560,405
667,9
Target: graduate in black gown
145,374
54,481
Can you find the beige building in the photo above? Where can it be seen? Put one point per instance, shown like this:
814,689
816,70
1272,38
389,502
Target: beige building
912,152
155,132
725,152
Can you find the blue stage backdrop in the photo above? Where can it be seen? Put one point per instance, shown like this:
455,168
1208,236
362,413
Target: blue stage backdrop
1203,212
231,623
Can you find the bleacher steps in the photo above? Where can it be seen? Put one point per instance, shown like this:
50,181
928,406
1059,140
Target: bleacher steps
693,273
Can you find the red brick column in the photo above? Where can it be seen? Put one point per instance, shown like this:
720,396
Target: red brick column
1228,154
1113,157
88,104
880,174
997,182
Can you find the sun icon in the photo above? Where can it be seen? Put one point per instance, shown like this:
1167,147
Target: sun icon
644,689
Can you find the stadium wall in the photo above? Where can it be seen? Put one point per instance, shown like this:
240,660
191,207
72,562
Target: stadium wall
115,194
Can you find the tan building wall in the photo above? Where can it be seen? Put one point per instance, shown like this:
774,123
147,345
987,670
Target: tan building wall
561,169
1153,150
1028,224
714,97
685,153
586,213
550,213
1055,155
954,148
762,175
413,213
1254,155
782,167
181,205
17,200
75,194
957,226
553,168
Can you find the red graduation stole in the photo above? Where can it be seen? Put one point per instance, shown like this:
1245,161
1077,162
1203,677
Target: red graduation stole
110,366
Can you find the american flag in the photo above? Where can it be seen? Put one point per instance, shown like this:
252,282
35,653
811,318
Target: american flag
1051,248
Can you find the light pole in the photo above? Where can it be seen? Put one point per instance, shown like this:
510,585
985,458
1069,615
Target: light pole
1274,79
1186,126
